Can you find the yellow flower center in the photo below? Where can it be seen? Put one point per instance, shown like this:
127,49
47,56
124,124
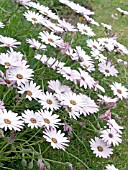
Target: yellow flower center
100,148
19,76
119,91
29,93
47,121
34,19
72,102
33,120
50,40
7,64
7,121
49,101
54,140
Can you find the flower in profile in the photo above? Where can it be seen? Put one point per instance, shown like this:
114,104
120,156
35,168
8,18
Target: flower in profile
33,120
1,25
36,44
50,38
107,100
56,138
113,125
109,27
30,89
119,90
110,137
49,101
100,148
48,119
111,167
33,17
10,120
122,11
8,42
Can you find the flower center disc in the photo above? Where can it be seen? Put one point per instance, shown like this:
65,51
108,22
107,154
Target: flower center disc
19,76
107,71
110,135
29,93
72,102
100,149
54,140
119,91
47,121
49,101
7,81
34,19
7,121
95,46
33,120
85,30
50,40
7,64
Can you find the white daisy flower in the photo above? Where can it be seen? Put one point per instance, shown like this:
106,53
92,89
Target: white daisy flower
36,44
114,126
49,101
30,89
23,2
100,148
57,87
97,55
9,61
8,42
33,17
108,69
111,167
122,11
85,79
119,90
67,26
109,27
105,99
48,119
52,26
10,120
110,137
72,112
94,45
20,75
86,30
47,12
50,38
56,138
1,25
33,120
89,106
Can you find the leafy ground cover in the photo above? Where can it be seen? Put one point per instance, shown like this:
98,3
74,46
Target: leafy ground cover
28,149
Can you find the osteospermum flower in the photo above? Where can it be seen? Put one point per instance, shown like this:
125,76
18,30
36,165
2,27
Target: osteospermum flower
110,137
36,44
20,75
30,89
108,69
105,99
2,107
33,17
100,148
8,42
122,11
57,87
119,90
109,27
111,167
56,138
67,26
86,30
10,120
113,125
50,38
48,119
49,101
1,25
32,119
23,2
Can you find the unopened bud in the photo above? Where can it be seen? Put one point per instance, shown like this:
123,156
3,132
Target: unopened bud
30,165
40,164
69,165
24,163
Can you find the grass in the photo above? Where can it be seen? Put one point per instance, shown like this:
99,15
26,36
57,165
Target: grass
30,145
